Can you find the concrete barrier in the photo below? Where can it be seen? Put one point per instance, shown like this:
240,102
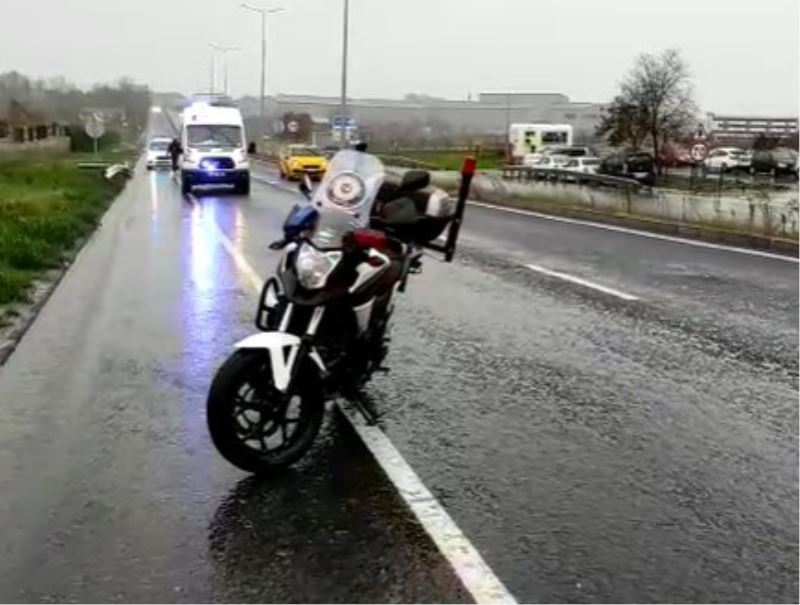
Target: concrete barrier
763,213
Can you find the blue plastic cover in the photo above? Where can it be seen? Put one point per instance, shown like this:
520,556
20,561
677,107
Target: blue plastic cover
300,219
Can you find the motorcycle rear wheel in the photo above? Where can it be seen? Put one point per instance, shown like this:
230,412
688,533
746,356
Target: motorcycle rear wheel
254,426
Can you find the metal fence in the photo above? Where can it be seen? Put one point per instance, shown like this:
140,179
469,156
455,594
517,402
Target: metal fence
534,173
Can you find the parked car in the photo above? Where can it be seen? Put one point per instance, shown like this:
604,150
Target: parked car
674,157
297,160
725,159
532,159
587,165
570,152
158,154
636,165
552,161
780,161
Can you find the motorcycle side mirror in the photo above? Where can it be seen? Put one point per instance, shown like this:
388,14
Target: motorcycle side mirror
305,186
414,180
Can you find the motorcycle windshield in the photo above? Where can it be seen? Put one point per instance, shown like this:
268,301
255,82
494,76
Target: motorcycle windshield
345,197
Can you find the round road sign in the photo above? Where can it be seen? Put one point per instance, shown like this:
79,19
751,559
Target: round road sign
95,128
698,152
293,126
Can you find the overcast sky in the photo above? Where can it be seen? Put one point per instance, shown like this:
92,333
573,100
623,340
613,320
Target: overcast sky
743,53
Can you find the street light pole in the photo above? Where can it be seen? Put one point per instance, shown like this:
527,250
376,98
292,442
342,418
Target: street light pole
263,67
213,81
343,111
263,12
224,50
506,134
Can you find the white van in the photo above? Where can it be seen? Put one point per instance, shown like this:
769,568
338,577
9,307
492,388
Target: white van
214,148
536,139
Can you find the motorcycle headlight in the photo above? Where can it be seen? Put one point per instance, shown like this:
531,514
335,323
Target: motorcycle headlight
314,266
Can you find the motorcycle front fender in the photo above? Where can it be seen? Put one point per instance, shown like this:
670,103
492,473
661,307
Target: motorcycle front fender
282,348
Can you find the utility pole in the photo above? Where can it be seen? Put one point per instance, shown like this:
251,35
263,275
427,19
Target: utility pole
224,50
506,141
263,12
343,111
213,81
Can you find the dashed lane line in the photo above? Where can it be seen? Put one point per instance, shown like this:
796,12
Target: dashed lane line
582,282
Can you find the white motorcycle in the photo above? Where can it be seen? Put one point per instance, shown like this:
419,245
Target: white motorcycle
324,318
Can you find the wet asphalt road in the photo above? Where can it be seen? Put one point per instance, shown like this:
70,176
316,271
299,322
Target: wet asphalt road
593,449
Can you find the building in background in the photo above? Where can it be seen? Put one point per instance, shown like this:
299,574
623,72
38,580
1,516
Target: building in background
742,131
424,117
22,127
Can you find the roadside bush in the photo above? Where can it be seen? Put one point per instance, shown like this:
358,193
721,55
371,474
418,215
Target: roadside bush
13,285
45,207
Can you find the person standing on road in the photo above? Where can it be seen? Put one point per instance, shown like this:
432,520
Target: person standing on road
175,150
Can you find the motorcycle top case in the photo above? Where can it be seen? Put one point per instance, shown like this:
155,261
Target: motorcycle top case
419,217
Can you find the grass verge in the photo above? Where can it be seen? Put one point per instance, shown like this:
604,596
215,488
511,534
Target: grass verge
437,160
46,205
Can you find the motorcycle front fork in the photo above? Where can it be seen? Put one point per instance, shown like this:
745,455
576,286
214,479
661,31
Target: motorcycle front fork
298,355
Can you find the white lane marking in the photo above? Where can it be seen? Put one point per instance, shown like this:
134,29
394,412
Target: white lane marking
582,282
474,573
629,231
467,563
255,280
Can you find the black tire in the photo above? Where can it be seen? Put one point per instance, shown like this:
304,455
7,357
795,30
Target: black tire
243,187
186,184
228,420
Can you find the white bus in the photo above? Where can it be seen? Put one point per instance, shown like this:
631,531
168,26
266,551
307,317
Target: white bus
527,139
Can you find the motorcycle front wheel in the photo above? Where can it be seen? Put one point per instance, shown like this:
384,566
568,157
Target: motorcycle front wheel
253,425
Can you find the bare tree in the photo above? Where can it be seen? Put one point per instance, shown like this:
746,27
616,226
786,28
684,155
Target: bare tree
624,123
655,103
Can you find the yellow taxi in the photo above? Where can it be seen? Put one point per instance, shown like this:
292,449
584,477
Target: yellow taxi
297,160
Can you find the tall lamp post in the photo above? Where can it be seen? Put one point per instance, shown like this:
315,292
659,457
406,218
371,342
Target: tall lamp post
224,50
343,110
263,12
212,84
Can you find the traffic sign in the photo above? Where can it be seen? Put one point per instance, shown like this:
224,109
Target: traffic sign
293,126
94,128
698,152
337,121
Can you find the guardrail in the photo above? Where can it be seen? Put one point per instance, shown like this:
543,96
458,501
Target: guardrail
534,173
